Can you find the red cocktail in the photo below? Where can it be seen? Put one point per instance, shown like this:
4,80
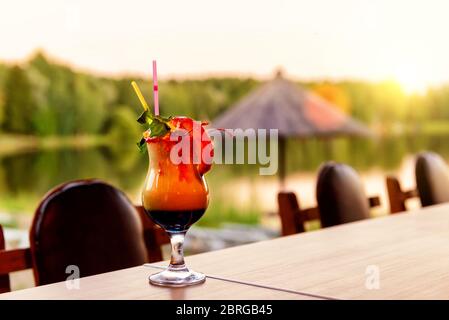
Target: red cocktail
176,195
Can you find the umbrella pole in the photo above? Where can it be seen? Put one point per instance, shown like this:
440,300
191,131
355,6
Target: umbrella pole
282,162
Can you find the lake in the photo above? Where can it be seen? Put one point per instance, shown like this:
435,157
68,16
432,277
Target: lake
238,193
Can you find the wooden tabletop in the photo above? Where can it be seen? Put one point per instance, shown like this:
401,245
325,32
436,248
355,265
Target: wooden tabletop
409,250
133,284
402,256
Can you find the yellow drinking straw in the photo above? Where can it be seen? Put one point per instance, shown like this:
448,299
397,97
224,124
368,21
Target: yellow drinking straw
140,95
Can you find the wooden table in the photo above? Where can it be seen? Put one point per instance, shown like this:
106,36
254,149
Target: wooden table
410,251
133,283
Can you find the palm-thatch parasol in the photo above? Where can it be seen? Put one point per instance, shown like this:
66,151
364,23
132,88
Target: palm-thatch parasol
295,112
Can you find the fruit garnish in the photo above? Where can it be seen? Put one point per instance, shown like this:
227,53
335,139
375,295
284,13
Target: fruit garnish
157,126
187,124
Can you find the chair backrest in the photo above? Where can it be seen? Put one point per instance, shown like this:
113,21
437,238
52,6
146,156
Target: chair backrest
432,179
340,195
88,224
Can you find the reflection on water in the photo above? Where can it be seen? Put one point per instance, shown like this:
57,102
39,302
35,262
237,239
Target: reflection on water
25,178
238,193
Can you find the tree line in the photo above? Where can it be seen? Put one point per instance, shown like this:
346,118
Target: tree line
41,97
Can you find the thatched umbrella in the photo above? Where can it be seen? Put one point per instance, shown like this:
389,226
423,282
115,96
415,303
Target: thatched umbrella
295,112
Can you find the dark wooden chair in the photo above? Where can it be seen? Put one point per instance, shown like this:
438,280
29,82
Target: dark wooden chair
340,198
153,235
86,223
432,179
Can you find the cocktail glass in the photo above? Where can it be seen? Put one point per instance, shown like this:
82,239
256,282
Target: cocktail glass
175,196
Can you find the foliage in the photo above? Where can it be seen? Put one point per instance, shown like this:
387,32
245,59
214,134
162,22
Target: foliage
18,102
333,94
45,98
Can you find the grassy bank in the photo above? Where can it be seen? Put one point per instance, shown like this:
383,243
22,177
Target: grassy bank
13,144
219,212
436,127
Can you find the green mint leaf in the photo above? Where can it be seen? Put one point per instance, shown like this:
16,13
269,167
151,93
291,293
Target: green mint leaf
158,128
146,117
163,119
141,145
157,125
143,117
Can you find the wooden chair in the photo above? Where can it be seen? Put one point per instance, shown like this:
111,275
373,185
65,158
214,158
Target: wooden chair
153,235
432,179
432,182
340,198
4,278
10,261
293,218
89,224
398,197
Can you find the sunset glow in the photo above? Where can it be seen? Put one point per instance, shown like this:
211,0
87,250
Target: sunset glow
410,80
371,40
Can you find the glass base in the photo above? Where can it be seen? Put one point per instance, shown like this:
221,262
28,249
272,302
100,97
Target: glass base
177,277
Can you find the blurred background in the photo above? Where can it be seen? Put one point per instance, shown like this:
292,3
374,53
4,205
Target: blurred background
67,110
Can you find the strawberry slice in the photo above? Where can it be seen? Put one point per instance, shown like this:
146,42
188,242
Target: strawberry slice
206,142
182,123
207,151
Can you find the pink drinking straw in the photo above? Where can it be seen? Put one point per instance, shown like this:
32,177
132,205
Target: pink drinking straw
155,89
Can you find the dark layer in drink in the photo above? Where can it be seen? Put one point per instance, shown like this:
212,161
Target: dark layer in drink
175,221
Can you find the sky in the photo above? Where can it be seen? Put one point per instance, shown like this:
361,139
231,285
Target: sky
319,39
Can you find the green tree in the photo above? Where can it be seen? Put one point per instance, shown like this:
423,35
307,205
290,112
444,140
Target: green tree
19,104
60,93
44,117
123,127
89,102
3,73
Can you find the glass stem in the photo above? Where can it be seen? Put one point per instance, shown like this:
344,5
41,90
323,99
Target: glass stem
177,251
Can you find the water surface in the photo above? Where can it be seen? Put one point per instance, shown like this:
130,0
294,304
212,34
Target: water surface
238,193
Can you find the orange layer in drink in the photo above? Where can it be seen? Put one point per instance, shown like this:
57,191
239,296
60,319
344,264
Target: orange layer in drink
170,186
